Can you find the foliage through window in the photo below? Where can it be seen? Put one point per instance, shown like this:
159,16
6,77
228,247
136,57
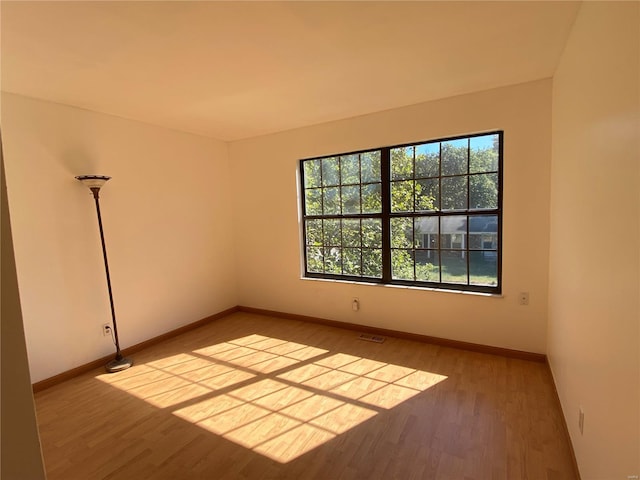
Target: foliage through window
426,214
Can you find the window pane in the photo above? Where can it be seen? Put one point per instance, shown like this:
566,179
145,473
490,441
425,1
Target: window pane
372,232
350,169
313,201
351,261
426,232
454,157
332,233
427,267
351,199
454,193
312,173
315,259
428,160
402,232
483,268
454,267
484,154
314,232
372,263
484,232
452,232
330,171
483,191
370,167
332,260
427,194
401,163
402,196
371,198
331,200
402,264
351,232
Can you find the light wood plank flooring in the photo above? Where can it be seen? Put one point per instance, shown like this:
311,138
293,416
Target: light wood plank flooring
255,397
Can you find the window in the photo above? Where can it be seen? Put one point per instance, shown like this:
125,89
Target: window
426,214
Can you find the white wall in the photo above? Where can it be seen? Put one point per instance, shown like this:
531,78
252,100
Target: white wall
268,233
594,312
166,219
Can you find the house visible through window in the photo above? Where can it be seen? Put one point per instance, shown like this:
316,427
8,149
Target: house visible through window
426,214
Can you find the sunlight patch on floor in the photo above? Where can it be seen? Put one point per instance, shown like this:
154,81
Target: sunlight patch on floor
278,398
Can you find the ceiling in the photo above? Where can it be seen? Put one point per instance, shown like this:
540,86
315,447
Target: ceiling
233,70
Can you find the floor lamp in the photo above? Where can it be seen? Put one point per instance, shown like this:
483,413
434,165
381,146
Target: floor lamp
95,182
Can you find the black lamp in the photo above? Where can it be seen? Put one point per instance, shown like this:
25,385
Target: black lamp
95,182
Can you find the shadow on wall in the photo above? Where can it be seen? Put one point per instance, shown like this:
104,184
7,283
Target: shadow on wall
79,162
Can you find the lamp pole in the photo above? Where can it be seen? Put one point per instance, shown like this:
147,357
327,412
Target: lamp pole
95,182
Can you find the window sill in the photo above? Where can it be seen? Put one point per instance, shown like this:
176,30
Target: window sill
405,287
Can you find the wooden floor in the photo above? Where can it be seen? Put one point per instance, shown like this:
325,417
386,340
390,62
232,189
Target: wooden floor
253,397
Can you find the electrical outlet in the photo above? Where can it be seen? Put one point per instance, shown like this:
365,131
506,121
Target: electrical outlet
581,420
106,329
523,298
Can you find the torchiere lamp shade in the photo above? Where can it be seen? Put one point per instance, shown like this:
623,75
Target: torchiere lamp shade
93,181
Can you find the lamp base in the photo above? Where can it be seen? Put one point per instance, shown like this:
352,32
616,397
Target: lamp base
116,365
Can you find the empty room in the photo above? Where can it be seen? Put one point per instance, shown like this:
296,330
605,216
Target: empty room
320,240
